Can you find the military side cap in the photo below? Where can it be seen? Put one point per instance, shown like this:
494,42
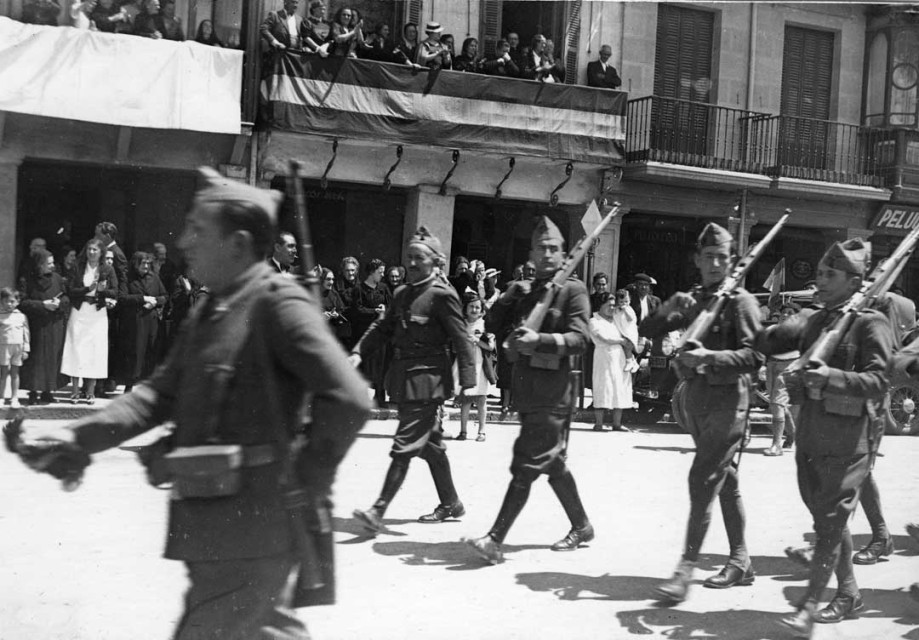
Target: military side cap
214,187
546,230
714,235
851,256
423,236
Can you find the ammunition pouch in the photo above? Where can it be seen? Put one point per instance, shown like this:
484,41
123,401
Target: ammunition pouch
213,471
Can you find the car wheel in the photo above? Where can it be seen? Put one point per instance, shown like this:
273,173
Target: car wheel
902,416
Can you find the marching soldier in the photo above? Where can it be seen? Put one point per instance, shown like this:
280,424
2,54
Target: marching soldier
715,402
234,384
425,317
837,436
542,391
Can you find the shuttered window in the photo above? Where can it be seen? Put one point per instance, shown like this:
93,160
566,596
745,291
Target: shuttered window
807,80
682,72
572,42
683,53
491,27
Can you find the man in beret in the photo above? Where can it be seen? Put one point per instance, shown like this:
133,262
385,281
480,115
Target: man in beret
237,376
542,390
837,437
714,401
424,320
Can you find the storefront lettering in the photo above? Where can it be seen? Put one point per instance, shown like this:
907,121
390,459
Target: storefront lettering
892,218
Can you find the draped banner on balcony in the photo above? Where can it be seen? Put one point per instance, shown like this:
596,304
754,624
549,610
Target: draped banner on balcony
359,98
118,79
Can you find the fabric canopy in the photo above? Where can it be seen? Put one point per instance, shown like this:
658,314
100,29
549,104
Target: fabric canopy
62,72
396,103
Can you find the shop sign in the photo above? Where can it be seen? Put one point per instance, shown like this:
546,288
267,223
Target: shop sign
895,220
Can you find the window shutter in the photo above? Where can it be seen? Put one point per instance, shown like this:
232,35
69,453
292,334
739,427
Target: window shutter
807,76
491,26
412,13
572,42
683,53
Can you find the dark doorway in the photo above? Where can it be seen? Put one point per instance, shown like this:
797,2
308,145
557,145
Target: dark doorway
528,19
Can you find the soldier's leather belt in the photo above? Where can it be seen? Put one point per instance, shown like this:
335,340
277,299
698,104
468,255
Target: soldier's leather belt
405,354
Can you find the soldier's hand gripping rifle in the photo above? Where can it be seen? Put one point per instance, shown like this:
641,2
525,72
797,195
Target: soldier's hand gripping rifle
697,331
535,319
874,286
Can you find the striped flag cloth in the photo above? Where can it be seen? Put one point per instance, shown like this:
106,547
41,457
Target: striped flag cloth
399,104
775,282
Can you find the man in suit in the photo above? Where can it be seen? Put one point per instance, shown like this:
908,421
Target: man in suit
284,29
240,546
644,304
284,253
602,74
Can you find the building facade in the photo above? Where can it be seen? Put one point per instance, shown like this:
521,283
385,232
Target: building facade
735,112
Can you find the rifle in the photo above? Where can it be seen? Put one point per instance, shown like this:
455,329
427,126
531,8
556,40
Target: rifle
310,279
700,327
875,285
310,517
538,313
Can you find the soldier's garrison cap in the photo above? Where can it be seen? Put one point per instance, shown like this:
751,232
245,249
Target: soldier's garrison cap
851,256
713,235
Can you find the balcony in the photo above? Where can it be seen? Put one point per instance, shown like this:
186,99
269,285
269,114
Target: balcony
694,134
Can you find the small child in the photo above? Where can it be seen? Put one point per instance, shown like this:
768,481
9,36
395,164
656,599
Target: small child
625,320
484,345
14,342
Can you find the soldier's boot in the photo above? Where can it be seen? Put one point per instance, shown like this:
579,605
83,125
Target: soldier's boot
566,490
676,588
372,518
801,622
489,545
450,505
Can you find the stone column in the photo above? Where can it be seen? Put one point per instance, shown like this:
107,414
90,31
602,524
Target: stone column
426,207
9,181
606,253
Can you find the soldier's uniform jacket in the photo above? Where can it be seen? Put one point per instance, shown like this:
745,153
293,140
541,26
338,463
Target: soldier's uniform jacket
725,383
838,423
288,351
563,334
420,325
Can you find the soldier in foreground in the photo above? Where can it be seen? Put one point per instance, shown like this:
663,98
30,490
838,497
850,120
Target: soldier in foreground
234,383
542,391
836,439
715,400
424,319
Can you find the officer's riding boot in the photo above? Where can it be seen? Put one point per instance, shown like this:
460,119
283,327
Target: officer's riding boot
582,531
881,541
489,545
372,518
450,505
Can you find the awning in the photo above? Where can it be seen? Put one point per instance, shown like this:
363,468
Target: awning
395,103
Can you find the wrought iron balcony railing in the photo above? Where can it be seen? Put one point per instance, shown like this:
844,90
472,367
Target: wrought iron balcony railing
705,135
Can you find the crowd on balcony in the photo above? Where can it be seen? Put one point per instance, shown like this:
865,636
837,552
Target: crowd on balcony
347,35
154,19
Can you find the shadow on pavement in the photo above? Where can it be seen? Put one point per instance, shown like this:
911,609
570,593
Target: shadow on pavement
570,586
456,556
879,603
676,624
689,449
352,527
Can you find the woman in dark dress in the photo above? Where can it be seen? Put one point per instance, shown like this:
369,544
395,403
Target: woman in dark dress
141,309
45,304
334,307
